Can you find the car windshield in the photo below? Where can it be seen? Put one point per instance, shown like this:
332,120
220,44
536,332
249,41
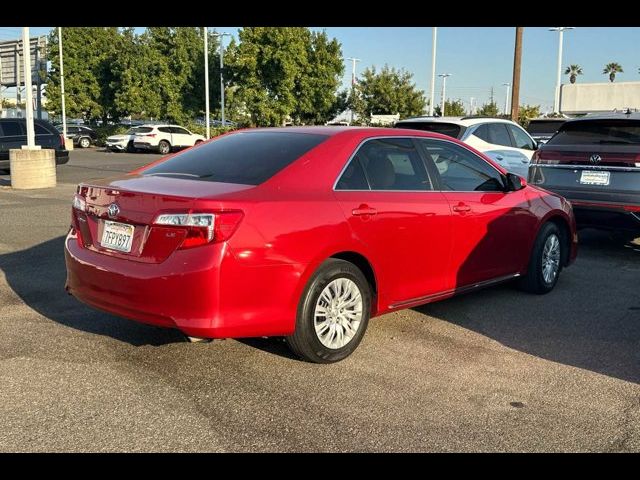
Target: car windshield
598,132
248,158
450,129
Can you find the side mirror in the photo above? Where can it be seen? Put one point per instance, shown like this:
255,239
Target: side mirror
515,182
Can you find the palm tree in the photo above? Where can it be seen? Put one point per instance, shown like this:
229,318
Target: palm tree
573,71
612,68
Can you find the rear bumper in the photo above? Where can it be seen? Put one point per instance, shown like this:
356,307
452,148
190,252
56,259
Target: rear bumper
203,292
145,146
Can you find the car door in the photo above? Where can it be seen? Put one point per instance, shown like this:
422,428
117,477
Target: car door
182,137
490,226
402,222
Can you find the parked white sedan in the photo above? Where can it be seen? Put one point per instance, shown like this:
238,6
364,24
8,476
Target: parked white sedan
164,138
504,141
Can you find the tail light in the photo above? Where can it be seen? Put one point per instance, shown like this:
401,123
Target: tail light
536,156
152,135
62,142
202,228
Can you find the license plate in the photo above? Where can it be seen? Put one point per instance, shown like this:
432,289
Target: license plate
117,236
594,178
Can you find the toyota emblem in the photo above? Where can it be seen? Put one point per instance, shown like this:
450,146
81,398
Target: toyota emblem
595,158
113,210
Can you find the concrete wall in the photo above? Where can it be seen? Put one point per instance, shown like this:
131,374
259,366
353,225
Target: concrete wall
599,97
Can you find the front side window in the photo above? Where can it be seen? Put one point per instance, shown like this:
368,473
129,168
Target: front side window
459,169
499,135
387,164
164,129
12,129
180,130
522,139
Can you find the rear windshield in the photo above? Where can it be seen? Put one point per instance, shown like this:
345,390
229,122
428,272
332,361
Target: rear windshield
598,132
450,129
544,127
248,158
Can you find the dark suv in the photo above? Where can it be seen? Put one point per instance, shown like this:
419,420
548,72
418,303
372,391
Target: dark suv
82,137
13,134
542,129
594,162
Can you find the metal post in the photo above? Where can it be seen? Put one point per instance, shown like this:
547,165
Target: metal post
556,106
434,37
444,89
26,53
64,112
506,99
38,83
517,61
18,79
353,80
222,79
206,80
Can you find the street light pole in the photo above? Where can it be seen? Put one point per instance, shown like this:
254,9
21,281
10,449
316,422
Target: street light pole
26,55
444,88
560,30
206,81
221,36
353,79
64,113
506,99
434,38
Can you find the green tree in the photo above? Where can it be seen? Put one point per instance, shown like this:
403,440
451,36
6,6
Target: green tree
526,113
388,92
489,110
573,71
88,55
454,108
611,69
316,90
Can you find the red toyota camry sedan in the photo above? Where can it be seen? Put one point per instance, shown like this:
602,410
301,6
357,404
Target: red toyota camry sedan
309,232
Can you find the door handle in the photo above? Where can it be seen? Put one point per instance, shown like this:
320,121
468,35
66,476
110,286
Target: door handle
461,207
363,210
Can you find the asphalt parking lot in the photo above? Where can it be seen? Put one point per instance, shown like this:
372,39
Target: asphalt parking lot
496,370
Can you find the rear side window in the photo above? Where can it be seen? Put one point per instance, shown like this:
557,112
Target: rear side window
248,158
11,129
388,164
450,129
40,130
522,139
598,132
499,135
180,131
143,130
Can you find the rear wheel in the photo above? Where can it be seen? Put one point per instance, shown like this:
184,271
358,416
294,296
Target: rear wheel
164,147
85,142
545,263
333,313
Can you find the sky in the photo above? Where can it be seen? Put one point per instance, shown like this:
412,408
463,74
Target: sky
478,58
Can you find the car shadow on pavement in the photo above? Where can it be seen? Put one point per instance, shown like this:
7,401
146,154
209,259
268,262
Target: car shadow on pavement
37,275
591,320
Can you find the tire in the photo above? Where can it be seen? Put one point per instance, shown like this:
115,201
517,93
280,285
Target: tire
84,142
341,281
544,268
164,147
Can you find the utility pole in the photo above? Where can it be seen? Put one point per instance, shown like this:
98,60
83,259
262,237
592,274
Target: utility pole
444,89
26,54
556,101
492,94
471,112
517,60
64,113
221,36
18,79
506,99
206,82
434,38
353,79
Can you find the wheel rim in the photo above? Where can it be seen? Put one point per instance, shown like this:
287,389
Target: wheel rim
551,258
84,142
338,313
164,148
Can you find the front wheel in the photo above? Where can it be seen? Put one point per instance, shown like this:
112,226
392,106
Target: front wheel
333,313
164,147
545,263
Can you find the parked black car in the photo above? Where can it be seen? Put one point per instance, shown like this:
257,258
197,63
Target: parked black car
594,161
542,129
82,136
13,134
